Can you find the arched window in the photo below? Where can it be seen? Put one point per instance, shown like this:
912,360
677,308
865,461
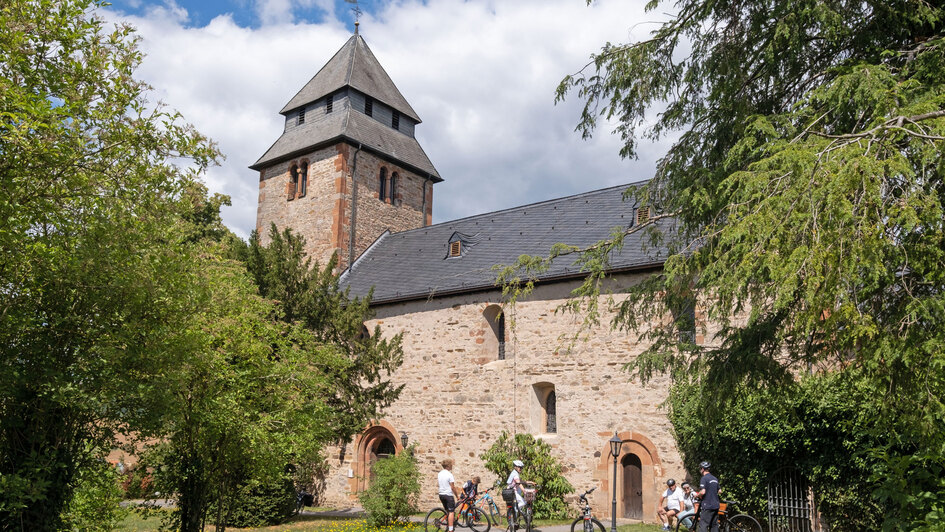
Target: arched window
544,410
303,179
496,319
293,183
393,187
382,185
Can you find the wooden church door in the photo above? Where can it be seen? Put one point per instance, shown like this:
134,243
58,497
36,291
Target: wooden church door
632,486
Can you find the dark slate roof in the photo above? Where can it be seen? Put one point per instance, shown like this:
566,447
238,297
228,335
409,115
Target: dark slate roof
416,264
356,128
355,66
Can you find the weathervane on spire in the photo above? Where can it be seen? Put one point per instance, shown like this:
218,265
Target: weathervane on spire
357,13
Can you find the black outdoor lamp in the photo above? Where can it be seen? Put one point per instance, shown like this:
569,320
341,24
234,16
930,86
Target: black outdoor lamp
615,444
403,439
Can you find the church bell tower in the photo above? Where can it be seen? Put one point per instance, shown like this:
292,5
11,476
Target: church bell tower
347,166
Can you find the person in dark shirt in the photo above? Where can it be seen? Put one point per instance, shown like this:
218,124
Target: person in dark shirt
471,488
709,493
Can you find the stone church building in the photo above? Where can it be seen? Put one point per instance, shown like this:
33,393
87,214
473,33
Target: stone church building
349,175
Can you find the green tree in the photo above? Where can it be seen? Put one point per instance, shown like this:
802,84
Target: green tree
248,399
95,265
278,366
806,184
309,295
540,467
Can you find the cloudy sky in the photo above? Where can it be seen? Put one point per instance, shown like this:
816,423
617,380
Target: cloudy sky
480,73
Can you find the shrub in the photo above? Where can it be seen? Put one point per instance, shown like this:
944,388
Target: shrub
136,482
540,467
818,425
392,495
259,503
94,506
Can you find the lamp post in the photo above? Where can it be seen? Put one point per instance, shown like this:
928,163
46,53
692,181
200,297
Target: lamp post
403,440
615,444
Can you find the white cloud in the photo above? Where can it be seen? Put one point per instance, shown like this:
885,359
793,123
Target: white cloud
481,74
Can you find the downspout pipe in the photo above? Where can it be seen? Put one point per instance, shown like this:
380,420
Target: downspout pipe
354,207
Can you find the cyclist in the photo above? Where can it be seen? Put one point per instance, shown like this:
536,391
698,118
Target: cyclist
471,488
709,494
671,504
448,491
690,505
515,482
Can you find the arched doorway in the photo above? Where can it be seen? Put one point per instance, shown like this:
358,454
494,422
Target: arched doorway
632,486
375,443
382,447
636,486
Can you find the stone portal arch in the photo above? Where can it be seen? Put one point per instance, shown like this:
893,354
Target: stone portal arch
638,467
377,442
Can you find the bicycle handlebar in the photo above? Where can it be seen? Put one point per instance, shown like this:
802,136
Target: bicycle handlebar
586,493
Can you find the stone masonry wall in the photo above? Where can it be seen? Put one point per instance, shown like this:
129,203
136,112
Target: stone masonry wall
323,214
374,215
459,397
315,215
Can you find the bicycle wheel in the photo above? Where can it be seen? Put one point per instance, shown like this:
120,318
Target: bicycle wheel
435,521
580,525
510,519
477,520
496,513
690,523
743,523
528,518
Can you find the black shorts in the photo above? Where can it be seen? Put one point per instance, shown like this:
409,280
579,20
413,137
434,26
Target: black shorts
449,503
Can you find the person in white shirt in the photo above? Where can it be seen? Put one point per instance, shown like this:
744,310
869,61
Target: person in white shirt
671,504
515,482
448,491
689,505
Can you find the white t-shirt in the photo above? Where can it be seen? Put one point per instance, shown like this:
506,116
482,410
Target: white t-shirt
513,477
673,498
689,503
445,479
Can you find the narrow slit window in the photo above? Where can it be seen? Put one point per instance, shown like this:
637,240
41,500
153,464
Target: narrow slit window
369,106
395,120
393,187
301,116
500,335
551,413
382,184
303,179
329,104
456,248
292,185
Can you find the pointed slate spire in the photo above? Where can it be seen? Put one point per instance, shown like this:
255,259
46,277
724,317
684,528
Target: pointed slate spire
355,66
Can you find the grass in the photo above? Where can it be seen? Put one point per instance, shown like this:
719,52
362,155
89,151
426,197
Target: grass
136,522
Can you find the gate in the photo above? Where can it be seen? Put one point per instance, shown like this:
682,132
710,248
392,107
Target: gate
789,502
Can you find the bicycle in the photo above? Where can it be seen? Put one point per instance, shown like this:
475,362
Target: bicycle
467,516
587,520
735,522
487,504
512,512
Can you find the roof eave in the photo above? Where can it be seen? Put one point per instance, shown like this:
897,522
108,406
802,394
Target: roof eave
262,164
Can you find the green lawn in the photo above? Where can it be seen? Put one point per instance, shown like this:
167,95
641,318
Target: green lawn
135,522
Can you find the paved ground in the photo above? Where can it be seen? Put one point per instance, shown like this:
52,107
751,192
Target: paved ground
359,512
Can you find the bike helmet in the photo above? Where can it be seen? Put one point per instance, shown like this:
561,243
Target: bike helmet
705,465
670,482
518,463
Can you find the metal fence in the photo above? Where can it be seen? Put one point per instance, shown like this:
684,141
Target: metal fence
790,502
